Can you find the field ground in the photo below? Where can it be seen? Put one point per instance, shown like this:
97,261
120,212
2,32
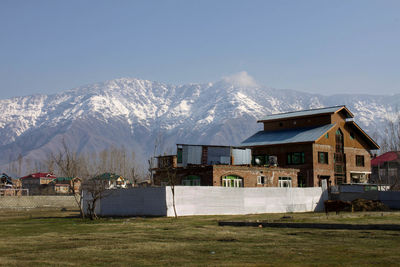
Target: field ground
54,237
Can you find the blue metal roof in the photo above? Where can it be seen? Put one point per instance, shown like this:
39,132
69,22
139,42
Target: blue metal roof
297,135
302,113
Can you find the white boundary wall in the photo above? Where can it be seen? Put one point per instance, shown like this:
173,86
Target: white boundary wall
201,200
204,200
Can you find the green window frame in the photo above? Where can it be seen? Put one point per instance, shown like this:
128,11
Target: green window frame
179,155
360,161
191,180
295,158
323,157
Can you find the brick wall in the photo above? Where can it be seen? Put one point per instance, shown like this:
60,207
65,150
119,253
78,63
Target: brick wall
212,175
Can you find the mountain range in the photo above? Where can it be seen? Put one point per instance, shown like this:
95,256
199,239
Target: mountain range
143,116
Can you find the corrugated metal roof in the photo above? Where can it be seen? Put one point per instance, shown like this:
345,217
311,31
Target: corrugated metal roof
302,113
297,135
390,156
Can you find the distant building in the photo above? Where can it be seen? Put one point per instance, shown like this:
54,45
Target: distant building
66,185
113,180
38,183
322,143
386,169
207,165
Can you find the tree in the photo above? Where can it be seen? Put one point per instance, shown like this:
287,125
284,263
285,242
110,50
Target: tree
96,188
391,138
70,165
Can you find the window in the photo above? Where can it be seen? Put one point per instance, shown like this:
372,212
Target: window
232,181
285,182
359,161
323,157
261,179
295,158
327,135
179,155
191,180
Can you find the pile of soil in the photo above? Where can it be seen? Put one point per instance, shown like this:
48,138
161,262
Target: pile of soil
368,205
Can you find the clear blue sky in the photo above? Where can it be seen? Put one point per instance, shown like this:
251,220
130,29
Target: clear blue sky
315,46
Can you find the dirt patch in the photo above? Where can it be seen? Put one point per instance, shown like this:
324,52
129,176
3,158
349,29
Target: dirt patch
368,205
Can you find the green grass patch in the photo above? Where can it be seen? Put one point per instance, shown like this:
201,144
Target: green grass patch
53,237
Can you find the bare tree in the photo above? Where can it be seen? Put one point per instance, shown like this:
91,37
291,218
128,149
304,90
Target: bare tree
70,165
391,138
96,189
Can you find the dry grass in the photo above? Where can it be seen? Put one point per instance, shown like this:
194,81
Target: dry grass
50,237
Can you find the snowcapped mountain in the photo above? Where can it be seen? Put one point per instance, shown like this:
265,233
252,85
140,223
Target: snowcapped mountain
133,113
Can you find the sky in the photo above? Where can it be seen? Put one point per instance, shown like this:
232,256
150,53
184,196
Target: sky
326,47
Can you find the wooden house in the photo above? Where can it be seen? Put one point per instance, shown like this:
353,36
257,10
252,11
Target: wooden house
322,143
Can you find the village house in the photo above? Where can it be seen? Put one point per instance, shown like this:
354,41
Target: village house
10,186
38,183
322,143
66,185
386,169
207,165
113,180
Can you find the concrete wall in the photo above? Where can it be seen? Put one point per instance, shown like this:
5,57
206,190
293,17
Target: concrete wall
202,200
146,201
390,198
30,202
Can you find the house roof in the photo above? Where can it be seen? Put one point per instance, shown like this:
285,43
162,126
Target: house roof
297,135
309,112
392,156
39,175
373,145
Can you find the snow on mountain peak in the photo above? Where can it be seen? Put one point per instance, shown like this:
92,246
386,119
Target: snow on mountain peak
130,112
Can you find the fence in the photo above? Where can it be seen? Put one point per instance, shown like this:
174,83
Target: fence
30,202
204,200
14,192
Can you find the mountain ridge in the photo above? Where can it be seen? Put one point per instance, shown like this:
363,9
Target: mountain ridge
133,113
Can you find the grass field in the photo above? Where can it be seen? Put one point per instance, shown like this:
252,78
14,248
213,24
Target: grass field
53,237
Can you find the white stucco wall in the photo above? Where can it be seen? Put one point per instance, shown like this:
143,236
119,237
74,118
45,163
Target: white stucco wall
204,200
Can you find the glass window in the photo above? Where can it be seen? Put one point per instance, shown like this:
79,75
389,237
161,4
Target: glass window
323,157
295,158
191,180
285,182
179,155
261,179
359,160
232,181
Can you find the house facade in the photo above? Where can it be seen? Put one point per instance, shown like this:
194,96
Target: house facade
386,169
38,183
204,165
66,185
322,143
